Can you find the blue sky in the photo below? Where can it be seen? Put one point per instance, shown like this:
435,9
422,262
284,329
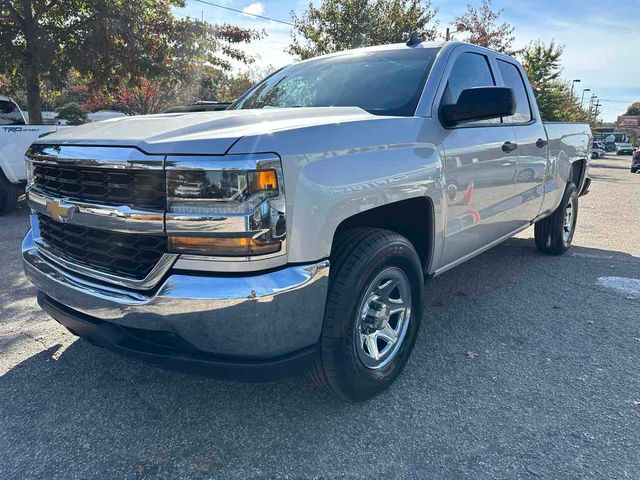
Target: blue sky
601,39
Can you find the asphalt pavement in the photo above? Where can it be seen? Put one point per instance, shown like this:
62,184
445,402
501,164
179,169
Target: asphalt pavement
527,366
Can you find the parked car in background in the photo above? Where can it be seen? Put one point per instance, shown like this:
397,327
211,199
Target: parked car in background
294,230
201,106
609,147
596,150
635,161
15,137
625,149
102,115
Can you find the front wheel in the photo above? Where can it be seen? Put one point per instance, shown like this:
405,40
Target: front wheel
554,233
8,195
373,313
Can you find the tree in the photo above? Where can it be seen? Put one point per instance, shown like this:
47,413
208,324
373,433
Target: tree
32,38
542,63
72,113
221,86
481,28
146,96
343,24
634,109
111,43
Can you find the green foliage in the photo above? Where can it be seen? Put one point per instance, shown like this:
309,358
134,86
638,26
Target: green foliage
72,113
34,36
215,84
481,28
634,109
111,44
342,24
542,63
146,96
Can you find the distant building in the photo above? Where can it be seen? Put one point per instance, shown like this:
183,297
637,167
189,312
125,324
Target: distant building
604,134
629,121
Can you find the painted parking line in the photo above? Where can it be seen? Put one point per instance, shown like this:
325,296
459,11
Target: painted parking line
625,285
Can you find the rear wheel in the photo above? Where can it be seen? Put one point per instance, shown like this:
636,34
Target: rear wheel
8,195
554,233
373,313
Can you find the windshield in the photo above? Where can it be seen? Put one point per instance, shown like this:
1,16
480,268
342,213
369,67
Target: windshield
384,82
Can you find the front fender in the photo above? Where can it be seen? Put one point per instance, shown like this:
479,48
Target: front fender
335,171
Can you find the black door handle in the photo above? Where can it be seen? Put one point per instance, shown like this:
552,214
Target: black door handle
509,147
540,143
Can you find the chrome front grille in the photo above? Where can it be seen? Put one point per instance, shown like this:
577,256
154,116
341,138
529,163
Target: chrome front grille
99,211
130,256
140,189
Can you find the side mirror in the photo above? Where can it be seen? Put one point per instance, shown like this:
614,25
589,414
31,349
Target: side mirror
479,103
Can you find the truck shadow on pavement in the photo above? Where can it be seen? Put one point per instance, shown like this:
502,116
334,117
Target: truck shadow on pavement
506,340
625,166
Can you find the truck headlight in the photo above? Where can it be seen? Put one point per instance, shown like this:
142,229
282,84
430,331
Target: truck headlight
30,171
226,206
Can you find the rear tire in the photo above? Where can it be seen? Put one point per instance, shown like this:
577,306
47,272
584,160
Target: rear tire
554,233
364,345
8,195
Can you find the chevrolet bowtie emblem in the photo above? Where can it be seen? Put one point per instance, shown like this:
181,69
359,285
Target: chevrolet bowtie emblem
60,212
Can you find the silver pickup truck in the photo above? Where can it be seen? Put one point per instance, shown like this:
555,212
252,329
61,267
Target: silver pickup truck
295,230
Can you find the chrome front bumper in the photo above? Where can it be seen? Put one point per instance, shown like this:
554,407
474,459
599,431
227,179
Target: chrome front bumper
257,316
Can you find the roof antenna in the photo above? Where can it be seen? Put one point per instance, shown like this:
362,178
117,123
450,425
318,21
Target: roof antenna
414,39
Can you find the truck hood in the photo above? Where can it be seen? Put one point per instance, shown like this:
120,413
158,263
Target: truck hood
208,133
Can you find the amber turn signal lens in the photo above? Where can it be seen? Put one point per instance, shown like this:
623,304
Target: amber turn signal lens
222,246
263,180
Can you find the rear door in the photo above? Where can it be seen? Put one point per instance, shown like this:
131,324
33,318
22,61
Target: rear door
532,145
479,164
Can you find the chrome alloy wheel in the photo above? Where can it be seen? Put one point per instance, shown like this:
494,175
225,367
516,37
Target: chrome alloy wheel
569,220
383,318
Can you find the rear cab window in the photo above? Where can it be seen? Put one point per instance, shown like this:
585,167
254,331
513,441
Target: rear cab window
513,79
10,114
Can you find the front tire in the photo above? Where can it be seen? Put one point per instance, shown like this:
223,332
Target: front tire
554,233
8,195
373,313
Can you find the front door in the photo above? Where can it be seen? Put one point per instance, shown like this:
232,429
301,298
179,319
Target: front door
480,161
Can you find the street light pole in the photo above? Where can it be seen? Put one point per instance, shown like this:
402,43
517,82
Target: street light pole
595,116
582,99
572,82
447,35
